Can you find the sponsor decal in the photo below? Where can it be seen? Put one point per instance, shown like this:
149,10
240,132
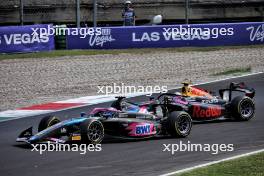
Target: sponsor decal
100,40
256,33
76,138
24,39
217,34
198,111
211,101
183,33
153,36
21,39
143,129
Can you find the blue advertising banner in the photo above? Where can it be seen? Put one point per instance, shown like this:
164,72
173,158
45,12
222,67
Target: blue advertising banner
17,39
194,35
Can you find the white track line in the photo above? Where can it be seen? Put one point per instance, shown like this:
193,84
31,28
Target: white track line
213,162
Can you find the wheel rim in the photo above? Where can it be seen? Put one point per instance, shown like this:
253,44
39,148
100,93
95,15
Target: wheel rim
95,131
183,124
246,109
54,122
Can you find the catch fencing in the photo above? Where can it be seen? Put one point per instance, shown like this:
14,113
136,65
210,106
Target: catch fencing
108,12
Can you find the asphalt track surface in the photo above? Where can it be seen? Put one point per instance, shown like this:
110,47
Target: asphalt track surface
137,157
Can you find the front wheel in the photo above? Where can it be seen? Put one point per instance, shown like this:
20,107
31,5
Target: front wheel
92,131
47,121
179,124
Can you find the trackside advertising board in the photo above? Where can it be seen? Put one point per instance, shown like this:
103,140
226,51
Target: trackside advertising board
19,39
194,35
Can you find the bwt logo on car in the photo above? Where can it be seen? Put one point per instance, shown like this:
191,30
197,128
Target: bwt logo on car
143,129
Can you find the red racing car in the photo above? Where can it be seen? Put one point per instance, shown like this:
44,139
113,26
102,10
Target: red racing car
235,102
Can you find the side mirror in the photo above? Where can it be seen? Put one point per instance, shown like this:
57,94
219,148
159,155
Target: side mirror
157,20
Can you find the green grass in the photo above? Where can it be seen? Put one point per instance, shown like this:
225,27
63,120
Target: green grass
245,166
58,53
235,71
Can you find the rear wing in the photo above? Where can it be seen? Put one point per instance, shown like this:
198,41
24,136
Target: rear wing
239,87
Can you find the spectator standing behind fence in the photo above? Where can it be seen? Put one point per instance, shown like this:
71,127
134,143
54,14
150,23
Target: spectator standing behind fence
128,14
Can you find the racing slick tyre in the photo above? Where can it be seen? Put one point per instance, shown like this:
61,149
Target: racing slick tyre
179,124
47,122
92,131
242,108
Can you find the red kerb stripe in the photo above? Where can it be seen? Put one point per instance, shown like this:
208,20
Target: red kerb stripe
52,106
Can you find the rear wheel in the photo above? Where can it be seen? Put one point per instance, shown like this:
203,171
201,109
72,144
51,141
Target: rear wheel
92,131
179,124
243,108
47,121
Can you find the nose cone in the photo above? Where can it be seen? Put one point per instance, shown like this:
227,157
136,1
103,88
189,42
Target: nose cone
33,139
